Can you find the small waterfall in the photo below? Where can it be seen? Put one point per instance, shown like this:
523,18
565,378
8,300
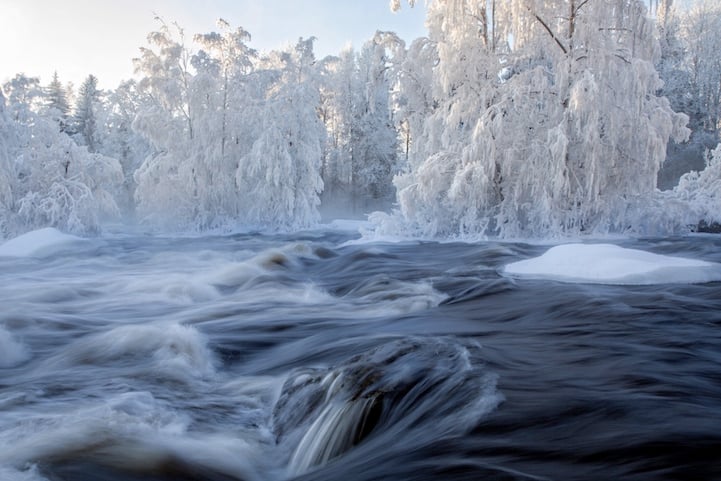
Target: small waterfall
339,427
432,385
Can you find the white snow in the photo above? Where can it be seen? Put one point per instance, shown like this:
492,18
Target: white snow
37,243
611,264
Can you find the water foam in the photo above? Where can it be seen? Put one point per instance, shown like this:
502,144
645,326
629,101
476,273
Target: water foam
388,295
8,473
172,288
12,352
174,351
82,427
212,279
132,431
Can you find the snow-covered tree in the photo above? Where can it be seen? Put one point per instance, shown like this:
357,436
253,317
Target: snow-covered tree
701,193
212,118
199,119
690,66
361,154
337,87
227,58
414,100
63,185
7,170
555,131
166,76
373,135
118,140
57,102
24,98
280,177
224,119
52,181
703,44
84,122
166,187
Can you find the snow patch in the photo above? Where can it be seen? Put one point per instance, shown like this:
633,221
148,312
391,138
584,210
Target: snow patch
37,243
611,264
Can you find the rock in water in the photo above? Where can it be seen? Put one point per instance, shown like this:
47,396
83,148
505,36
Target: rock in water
415,382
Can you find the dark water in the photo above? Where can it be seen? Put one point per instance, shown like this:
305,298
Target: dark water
251,357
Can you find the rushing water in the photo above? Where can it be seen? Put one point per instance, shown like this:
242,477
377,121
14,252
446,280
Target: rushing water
252,357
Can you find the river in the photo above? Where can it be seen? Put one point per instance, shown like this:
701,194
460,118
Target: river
134,357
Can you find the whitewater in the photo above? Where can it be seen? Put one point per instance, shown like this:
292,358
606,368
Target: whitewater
132,356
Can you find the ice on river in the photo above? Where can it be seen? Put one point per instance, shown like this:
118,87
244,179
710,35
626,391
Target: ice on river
37,243
611,264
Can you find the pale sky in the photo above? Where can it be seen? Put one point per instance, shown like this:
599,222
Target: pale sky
100,37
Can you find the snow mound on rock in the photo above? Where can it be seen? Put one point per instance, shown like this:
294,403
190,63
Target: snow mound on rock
37,243
611,264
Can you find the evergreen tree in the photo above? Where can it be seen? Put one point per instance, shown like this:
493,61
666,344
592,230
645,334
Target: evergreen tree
85,117
57,102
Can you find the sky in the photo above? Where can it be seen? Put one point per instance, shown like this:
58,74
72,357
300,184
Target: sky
100,37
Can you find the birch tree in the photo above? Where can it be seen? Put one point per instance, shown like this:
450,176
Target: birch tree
555,130
280,176
224,114
167,187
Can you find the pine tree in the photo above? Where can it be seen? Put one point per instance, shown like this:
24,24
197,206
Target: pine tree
84,119
57,102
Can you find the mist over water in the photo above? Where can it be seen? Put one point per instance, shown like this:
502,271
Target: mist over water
257,357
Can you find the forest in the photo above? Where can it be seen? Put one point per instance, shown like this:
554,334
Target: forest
510,119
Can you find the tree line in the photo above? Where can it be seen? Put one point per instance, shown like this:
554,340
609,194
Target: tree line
515,119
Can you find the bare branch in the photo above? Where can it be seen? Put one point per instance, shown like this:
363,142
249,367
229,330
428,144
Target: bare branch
550,32
584,2
618,55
